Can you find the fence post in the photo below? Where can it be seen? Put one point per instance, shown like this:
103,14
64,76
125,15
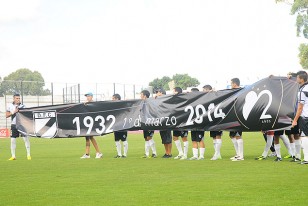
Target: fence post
124,91
51,93
134,88
78,93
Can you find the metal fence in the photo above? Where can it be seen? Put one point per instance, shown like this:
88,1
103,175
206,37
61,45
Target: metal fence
34,94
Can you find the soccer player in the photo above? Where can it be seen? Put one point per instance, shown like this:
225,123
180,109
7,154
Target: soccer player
236,136
120,135
180,133
11,111
216,135
89,97
268,136
197,137
279,134
148,134
301,117
166,136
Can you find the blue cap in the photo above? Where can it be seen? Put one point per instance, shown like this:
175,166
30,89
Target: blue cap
89,94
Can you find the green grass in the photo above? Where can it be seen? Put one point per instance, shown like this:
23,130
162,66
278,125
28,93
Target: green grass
57,176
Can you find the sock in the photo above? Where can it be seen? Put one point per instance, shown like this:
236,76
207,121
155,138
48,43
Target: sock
298,149
202,150
185,148
27,145
152,145
195,152
235,145
277,148
147,148
268,145
305,147
218,146
118,146
13,146
125,145
215,145
286,142
292,147
240,148
179,147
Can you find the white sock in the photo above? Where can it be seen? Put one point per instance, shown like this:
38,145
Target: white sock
152,145
215,145
125,145
185,144
268,145
27,145
292,147
286,142
277,148
179,146
13,146
147,148
118,146
240,148
305,147
218,146
195,152
298,148
235,145
202,150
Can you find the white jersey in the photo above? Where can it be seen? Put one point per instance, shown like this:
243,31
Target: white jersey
11,108
303,99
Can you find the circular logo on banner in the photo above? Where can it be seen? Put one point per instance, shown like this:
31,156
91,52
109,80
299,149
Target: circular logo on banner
258,106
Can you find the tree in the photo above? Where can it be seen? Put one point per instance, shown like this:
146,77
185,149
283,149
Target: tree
160,83
180,80
24,81
300,8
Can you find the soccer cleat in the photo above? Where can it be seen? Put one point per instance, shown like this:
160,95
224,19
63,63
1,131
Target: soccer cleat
238,159
183,158
278,159
288,157
28,157
145,156
118,156
98,155
178,157
123,156
260,158
216,157
85,156
12,158
273,154
304,162
167,156
201,158
193,158
154,156
235,157
295,159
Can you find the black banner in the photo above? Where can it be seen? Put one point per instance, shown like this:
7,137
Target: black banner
268,104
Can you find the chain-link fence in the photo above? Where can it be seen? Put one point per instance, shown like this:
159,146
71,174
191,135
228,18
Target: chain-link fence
34,94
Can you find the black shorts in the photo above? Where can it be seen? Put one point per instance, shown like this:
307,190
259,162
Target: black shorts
122,135
235,133
147,133
166,137
303,126
215,133
177,133
293,130
14,132
197,136
278,132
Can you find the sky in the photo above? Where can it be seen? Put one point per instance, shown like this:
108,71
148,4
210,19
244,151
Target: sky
136,41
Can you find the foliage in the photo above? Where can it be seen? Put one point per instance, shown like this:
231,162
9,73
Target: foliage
303,55
180,80
23,81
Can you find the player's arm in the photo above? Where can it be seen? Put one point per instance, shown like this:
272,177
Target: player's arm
298,114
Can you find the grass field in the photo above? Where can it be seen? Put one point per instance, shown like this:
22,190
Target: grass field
57,176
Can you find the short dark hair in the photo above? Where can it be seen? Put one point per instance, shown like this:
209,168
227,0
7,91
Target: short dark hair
117,96
194,89
236,81
178,90
16,95
302,75
160,90
146,93
207,86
